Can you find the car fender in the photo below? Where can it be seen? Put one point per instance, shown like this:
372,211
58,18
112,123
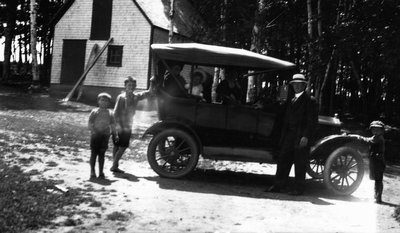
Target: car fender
325,146
174,123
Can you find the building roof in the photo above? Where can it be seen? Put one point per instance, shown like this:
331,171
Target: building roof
187,22
60,13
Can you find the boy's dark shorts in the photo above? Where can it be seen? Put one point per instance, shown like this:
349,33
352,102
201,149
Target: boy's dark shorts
99,142
376,168
124,137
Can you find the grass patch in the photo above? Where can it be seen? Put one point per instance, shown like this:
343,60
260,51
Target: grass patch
118,216
95,204
27,204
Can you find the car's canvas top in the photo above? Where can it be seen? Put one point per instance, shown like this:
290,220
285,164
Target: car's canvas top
212,55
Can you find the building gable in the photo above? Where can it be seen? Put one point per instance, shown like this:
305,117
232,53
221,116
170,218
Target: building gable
186,22
131,32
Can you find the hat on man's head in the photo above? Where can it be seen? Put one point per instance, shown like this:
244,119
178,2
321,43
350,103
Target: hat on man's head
129,79
104,95
298,78
377,124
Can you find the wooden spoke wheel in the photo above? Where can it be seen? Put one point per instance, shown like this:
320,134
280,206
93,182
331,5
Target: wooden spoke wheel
344,171
172,153
315,168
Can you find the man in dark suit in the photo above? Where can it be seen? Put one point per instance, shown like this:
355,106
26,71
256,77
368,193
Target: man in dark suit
300,121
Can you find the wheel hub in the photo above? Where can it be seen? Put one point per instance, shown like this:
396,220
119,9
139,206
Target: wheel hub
342,172
173,154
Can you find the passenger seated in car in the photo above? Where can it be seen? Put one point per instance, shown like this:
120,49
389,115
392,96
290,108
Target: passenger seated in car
174,83
229,90
198,78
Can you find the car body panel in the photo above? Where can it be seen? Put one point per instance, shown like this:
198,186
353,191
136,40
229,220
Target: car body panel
237,128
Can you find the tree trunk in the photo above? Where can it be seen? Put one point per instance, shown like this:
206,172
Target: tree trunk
319,12
309,19
35,74
320,93
26,52
47,35
320,81
20,53
171,21
219,73
356,72
256,40
390,100
47,56
310,41
215,85
9,31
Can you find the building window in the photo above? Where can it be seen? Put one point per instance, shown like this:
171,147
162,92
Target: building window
114,56
101,20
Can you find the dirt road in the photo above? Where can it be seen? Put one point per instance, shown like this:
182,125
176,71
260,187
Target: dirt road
51,139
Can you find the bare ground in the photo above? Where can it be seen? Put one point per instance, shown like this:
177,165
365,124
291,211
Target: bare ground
49,138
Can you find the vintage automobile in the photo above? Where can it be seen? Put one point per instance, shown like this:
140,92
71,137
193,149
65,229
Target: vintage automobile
189,127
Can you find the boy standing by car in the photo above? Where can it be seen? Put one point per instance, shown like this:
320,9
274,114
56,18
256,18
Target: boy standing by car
377,163
124,110
101,124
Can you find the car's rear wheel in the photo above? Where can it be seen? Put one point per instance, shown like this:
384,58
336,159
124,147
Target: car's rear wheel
172,153
315,168
344,171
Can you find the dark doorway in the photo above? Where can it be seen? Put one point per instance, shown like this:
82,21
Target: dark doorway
73,60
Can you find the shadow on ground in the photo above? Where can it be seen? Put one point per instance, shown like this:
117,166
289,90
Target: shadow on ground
392,170
247,185
104,182
126,176
22,101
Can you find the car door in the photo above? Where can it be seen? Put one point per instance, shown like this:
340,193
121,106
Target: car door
211,124
241,125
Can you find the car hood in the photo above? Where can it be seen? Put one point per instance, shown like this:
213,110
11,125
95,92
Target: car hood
328,120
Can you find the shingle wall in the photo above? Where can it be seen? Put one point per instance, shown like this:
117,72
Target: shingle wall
128,28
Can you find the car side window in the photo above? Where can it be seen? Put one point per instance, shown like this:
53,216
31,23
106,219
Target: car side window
271,96
283,93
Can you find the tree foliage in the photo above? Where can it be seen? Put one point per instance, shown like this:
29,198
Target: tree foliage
354,63
349,48
15,27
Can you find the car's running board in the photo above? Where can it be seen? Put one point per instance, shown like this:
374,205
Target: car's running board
238,154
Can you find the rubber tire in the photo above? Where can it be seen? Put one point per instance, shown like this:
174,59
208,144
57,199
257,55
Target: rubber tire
312,173
151,153
328,166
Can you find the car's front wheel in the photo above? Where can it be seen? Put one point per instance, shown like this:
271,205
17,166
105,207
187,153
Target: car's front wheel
172,153
344,171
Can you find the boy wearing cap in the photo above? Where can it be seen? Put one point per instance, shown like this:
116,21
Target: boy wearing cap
124,110
299,123
377,163
101,124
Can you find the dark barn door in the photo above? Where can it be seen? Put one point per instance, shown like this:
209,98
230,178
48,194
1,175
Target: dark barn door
73,61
